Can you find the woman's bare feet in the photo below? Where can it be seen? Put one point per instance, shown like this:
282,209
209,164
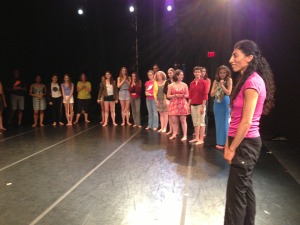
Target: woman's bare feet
184,139
61,123
69,124
41,124
155,129
104,124
34,125
199,143
87,121
75,122
115,124
172,137
54,124
194,140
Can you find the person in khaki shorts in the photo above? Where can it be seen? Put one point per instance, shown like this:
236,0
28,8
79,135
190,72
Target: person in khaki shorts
17,90
197,100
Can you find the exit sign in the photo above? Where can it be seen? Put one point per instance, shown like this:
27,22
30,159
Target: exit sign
211,54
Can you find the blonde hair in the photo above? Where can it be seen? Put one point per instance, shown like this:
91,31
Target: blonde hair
163,75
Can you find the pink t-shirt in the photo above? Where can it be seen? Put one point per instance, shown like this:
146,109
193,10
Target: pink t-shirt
149,87
253,82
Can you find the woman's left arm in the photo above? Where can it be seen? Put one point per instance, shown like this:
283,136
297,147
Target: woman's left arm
45,90
89,87
72,89
186,94
250,101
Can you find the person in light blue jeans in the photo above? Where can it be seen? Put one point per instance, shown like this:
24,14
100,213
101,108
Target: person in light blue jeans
150,87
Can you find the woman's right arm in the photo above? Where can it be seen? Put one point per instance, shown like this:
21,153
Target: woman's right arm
119,82
30,91
100,93
250,101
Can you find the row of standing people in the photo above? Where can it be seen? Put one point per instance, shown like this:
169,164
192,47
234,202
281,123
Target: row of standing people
164,96
173,100
54,94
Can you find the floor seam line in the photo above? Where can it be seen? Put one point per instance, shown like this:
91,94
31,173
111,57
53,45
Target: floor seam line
61,198
51,146
186,187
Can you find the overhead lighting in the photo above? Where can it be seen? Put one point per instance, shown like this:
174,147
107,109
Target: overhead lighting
131,9
80,11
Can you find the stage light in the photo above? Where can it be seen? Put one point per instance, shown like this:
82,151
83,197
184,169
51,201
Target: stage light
169,8
131,9
80,11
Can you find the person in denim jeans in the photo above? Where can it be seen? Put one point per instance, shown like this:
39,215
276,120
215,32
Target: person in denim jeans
150,87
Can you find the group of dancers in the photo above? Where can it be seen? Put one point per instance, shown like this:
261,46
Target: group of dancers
168,99
252,96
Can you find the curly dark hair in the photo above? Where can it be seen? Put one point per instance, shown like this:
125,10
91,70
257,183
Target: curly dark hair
227,70
259,65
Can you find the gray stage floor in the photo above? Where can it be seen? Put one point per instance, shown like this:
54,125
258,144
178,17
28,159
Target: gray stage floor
90,175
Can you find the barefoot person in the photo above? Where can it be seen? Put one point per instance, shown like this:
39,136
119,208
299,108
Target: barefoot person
38,92
108,93
84,89
197,102
2,106
67,91
55,100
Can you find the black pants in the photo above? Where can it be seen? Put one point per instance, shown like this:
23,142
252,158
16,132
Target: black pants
240,197
56,109
82,105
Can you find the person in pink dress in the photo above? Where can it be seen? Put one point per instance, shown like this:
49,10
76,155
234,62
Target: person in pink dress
171,73
178,92
252,96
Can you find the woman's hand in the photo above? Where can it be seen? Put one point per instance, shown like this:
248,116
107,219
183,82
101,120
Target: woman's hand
67,99
228,154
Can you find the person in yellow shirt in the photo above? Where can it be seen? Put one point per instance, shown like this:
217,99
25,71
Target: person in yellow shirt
84,89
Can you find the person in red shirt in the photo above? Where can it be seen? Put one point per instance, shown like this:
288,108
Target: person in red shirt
198,96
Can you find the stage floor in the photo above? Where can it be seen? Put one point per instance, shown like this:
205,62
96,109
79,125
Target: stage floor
93,175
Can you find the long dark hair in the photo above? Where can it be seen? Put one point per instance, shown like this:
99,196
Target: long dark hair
111,79
137,79
227,70
259,65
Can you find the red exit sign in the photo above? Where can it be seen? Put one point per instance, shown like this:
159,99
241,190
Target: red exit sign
211,54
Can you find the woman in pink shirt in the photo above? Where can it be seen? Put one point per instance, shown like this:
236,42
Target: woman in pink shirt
252,96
